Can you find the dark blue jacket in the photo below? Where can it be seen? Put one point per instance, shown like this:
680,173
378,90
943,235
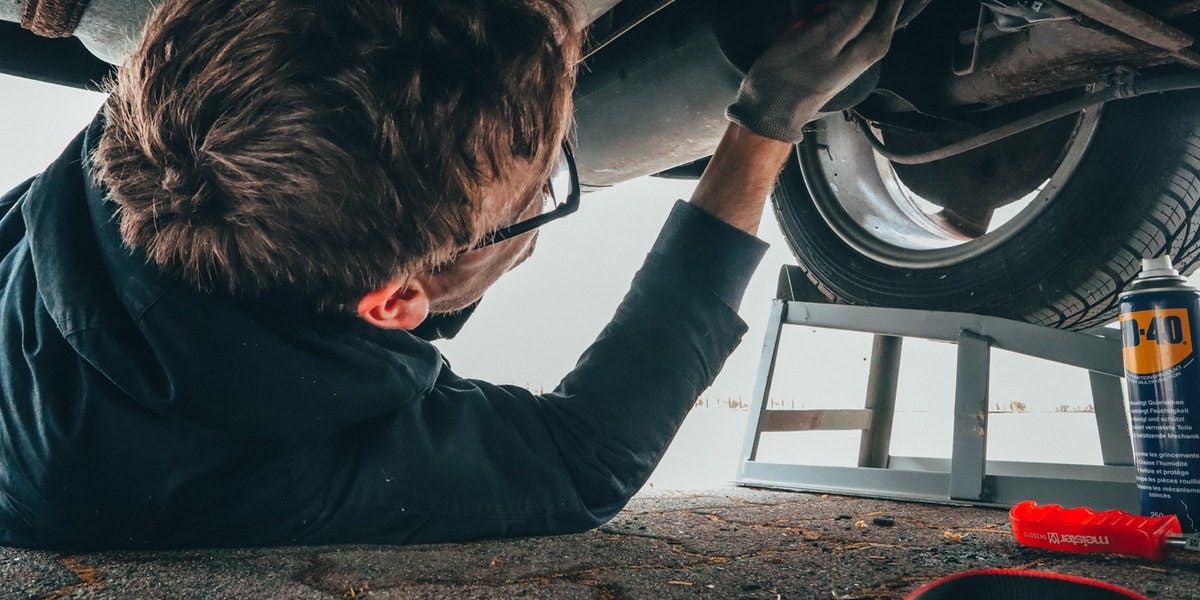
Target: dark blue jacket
135,413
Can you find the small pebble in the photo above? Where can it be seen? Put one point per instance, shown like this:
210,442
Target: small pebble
884,521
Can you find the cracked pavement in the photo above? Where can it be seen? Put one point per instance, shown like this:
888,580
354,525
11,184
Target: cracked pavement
726,543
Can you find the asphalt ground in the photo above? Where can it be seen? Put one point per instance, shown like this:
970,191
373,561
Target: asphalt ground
727,543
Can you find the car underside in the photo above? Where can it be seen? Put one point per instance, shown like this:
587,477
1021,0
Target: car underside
1010,157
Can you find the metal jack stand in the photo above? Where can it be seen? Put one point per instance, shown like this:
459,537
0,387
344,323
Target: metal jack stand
967,477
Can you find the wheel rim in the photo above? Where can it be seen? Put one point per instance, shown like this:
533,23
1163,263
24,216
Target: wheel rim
860,196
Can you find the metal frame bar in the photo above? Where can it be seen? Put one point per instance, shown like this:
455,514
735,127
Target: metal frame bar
881,400
1139,25
969,456
967,477
1091,351
1109,402
1133,22
930,486
853,419
766,372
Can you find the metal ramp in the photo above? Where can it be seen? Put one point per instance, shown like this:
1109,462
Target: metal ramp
967,477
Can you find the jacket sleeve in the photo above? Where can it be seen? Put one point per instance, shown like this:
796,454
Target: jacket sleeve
474,460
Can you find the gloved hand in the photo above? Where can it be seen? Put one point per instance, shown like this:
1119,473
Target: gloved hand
808,65
110,29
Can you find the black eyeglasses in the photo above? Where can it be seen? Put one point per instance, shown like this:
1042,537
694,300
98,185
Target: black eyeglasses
561,198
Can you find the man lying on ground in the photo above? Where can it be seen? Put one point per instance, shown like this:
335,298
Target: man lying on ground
214,301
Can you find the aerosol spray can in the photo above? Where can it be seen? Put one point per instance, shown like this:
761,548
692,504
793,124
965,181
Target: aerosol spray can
1159,314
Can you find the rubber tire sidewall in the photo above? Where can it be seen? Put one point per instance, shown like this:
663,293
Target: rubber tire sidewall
1134,193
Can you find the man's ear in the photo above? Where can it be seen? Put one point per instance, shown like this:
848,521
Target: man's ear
397,305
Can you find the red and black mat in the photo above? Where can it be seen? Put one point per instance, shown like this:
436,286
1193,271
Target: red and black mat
1009,584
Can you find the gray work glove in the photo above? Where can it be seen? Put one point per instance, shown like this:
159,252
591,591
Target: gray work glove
110,29
807,66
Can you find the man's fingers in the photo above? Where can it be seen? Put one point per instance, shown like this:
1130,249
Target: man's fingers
846,20
827,32
884,22
876,36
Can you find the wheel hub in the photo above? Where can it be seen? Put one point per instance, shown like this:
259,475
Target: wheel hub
945,212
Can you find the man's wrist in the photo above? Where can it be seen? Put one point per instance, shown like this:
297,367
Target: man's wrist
748,139
740,176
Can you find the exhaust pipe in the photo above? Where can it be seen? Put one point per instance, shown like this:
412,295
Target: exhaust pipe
653,99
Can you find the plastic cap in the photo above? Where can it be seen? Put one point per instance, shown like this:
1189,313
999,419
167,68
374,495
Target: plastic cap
1159,266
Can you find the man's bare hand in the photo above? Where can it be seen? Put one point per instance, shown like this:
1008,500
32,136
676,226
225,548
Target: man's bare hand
807,66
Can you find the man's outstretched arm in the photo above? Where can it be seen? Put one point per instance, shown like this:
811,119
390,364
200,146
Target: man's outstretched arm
473,460
784,90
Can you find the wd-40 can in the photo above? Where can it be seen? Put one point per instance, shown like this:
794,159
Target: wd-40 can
1162,371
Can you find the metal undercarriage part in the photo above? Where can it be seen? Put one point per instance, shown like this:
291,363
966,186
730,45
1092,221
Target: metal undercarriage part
654,99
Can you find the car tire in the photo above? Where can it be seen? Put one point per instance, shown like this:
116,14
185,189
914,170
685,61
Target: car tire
1133,193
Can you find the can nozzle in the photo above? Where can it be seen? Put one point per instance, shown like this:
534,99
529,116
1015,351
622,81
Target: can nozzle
1158,266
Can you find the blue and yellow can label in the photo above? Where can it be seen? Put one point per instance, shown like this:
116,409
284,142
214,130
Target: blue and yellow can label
1162,374
1156,340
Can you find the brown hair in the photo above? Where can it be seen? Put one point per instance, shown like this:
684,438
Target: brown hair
318,149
